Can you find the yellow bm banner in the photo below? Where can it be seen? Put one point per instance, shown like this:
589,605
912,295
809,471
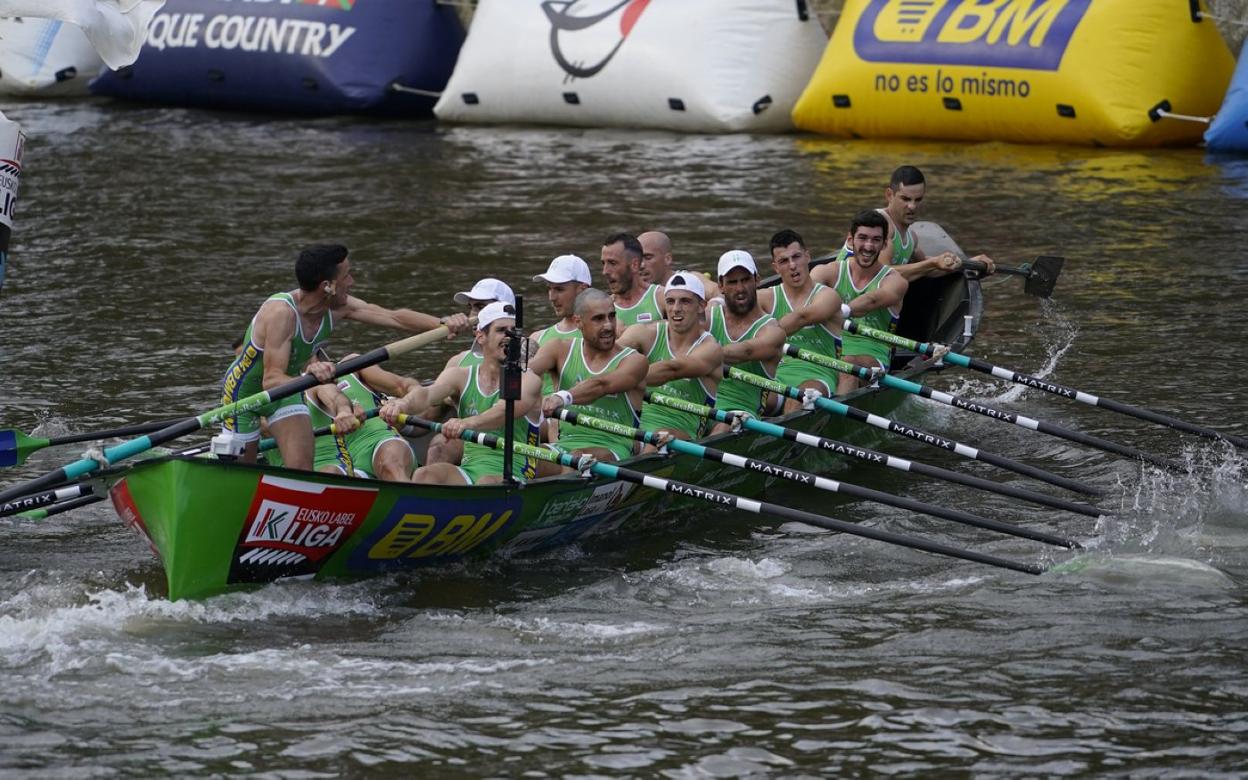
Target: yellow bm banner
1065,71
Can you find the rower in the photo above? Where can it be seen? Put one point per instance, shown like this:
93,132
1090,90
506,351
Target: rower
685,360
750,337
809,313
285,332
480,407
595,376
635,300
903,199
658,265
871,292
483,293
374,449
565,279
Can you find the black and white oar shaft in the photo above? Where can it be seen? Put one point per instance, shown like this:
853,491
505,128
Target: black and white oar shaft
719,498
807,479
44,499
1017,377
991,412
917,434
878,458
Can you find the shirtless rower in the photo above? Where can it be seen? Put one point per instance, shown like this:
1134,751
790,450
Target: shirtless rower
685,360
286,331
903,198
871,292
479,406
635,300
594,375
658,265
807,311
751,338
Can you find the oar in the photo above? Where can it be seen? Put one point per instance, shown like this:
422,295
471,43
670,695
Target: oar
135,446
16,447
975,364
812,480
1040,274
56,509
871,456
45,498
324,430
1022,421
719,498
910,432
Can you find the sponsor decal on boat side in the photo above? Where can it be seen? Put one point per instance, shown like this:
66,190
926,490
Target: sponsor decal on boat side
294,525
419,531
123,504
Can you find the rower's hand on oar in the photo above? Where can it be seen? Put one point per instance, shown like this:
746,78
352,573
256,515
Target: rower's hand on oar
453,427
324,372
948,262
345,422
391,410
456,323
990,265
552,403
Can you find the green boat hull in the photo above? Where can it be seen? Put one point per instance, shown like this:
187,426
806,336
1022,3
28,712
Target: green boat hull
218,526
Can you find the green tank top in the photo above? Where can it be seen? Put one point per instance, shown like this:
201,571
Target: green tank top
903,242
553,333
470,358
880,319
731,393
616,407
644,310
246,374
654,416
479,459
816,337
330,449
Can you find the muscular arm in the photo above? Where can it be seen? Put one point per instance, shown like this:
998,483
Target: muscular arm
628,375
640,337
825,307
275,327
550,357
449,384
330,399
395,319
826,274
766,346
889,294
704,360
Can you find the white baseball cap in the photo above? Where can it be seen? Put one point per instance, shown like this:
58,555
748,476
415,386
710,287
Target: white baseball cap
686,280
564,269
736,258
487,289
495,311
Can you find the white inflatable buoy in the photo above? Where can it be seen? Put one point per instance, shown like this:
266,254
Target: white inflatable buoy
45,57
692,65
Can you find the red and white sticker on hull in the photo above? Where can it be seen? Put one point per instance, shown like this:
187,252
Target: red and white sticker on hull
292,526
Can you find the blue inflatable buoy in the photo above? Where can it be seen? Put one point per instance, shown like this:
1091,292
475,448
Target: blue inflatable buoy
326,57
1229,130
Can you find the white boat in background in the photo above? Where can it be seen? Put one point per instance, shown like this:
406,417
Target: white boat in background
45,57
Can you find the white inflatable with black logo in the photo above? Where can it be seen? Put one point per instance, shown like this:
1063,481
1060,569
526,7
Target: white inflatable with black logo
691,65
45,57
300,56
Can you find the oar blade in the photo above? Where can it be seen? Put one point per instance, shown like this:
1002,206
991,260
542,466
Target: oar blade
16,447
1043,277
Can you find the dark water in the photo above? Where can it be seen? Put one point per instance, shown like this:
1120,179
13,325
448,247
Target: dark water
727,646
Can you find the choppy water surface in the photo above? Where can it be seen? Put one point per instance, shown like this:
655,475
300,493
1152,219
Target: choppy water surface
725,646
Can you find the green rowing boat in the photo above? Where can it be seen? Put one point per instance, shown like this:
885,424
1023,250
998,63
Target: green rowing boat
221,525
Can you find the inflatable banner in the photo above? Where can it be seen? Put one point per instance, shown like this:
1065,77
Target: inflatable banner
301,56
45,57
12,140
692,65
1040,71
1229,130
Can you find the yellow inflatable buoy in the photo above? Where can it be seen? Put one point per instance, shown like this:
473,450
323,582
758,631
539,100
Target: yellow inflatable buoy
1039,71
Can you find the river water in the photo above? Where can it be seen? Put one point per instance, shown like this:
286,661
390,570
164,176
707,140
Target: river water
728,645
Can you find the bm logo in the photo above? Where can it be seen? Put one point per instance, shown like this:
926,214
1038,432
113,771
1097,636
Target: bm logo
1031,34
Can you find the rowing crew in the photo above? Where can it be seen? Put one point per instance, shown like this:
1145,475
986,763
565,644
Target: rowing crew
679,336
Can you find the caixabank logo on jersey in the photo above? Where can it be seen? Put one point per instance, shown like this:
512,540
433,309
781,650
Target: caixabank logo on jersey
1029,34
293,526
419,531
